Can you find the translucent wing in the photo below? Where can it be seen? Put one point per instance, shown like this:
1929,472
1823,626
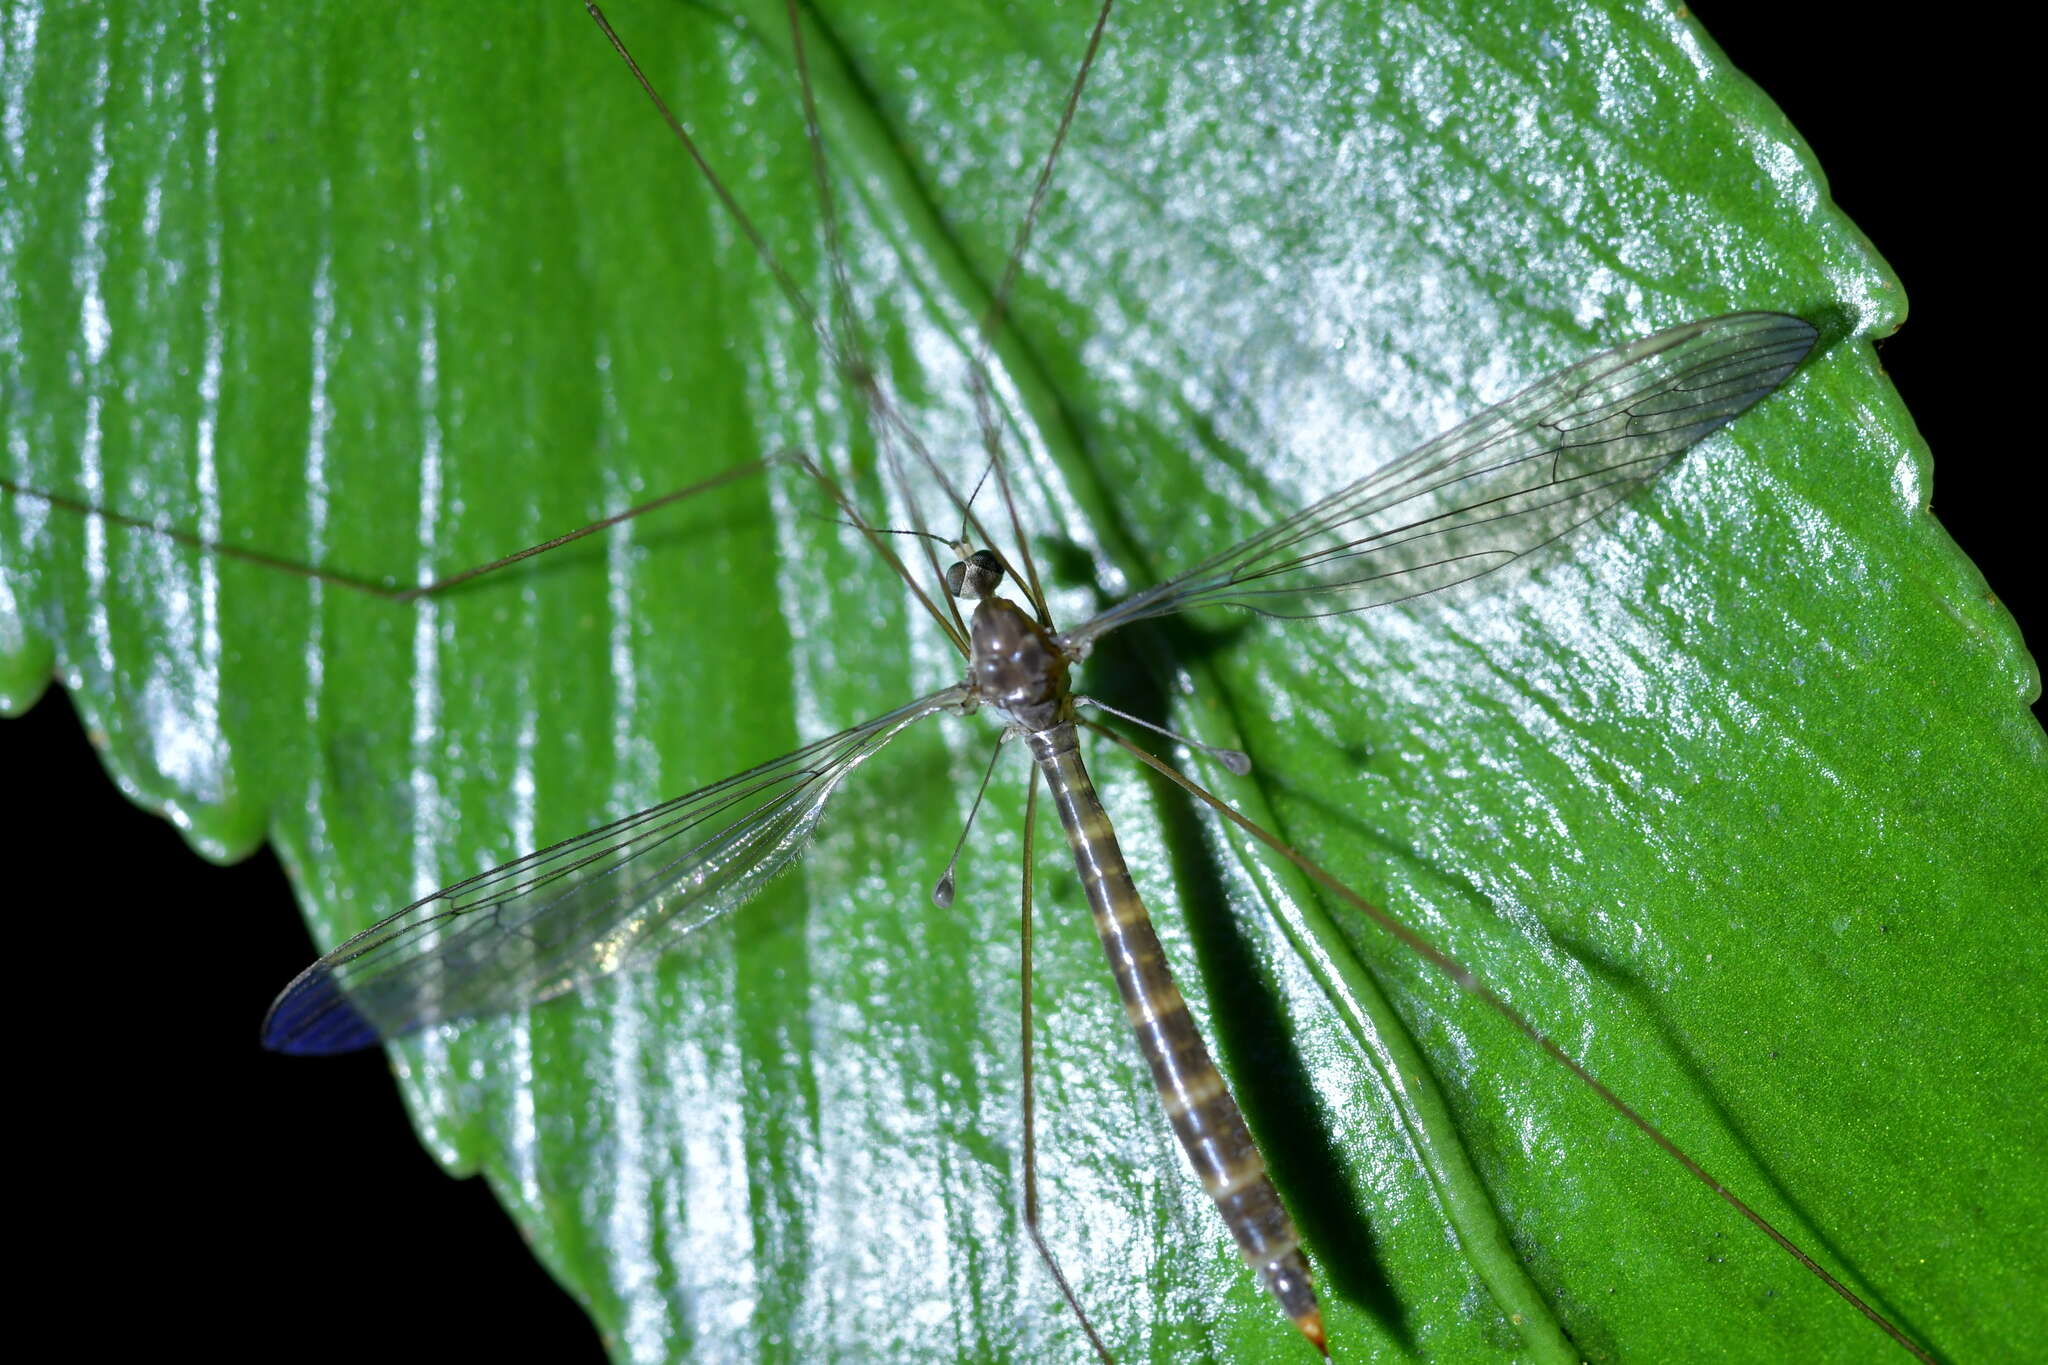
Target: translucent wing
549,921
1512,479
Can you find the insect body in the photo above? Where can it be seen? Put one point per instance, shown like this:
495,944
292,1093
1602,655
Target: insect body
622,945
1454,511
1020,671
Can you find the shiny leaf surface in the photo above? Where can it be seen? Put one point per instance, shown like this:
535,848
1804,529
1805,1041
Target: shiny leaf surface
1736,794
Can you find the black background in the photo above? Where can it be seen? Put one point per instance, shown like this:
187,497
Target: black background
179,1179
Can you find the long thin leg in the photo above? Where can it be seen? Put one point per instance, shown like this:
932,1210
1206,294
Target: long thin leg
1468,981
984,411
844,321
386,590
1021,244
840,332
1031,1227
840,335
848,340
787,282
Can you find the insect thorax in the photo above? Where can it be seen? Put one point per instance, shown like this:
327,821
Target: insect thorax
1016,668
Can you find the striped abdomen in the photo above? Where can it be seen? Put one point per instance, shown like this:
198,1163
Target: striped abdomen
1198,1104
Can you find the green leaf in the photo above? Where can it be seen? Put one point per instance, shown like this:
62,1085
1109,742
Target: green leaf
1736,794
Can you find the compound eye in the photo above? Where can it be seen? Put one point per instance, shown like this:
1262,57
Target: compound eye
956,579
984,573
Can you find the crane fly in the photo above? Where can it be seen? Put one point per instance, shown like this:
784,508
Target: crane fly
1453,512
1456,510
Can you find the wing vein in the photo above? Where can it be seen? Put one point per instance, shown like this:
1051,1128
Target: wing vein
544,923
